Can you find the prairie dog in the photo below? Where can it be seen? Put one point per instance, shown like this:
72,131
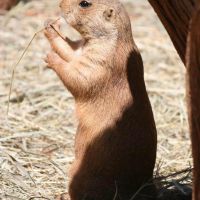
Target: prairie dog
115,146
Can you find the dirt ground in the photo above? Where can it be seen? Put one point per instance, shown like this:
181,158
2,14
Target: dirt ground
37,137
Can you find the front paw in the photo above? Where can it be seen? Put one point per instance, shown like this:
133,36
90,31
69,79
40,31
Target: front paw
53,60
51,29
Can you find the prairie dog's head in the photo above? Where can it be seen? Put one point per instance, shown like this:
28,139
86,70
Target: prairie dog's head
96,18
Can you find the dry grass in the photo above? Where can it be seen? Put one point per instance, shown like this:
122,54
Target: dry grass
36,140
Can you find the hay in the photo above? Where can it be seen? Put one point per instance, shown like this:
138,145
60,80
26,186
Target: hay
36,140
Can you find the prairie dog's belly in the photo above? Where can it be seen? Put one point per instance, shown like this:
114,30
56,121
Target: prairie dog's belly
96,117
98,122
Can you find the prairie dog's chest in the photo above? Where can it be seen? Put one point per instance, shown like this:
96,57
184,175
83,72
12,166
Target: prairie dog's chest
78,52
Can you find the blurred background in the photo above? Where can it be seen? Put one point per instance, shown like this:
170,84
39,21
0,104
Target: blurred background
37,138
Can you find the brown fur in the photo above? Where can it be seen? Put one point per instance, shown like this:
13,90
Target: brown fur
182,20
193,95
7,4
115,145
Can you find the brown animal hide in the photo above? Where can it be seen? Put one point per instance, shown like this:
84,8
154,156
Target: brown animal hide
7,4
175,16
193,92
182,22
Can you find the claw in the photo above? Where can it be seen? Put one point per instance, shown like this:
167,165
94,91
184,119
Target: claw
51,28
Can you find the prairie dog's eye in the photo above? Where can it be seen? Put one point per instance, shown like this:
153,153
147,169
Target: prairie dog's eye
85,4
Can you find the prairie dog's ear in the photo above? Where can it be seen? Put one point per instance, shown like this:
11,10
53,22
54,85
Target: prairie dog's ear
109,14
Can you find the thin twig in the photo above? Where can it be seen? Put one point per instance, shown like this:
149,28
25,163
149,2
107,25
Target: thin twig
14,68
39,198
21,57
51,25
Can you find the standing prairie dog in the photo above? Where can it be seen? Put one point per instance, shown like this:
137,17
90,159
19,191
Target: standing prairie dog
115,146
